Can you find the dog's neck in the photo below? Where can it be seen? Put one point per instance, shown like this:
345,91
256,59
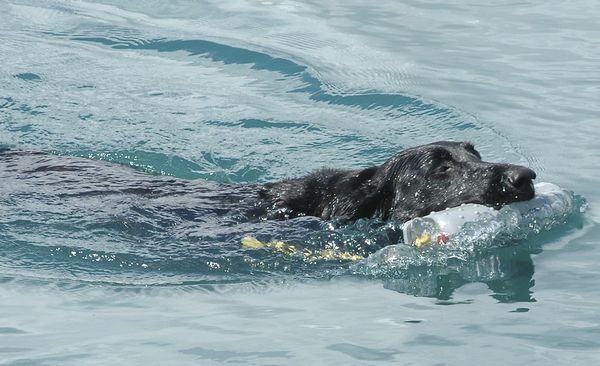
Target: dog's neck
345,194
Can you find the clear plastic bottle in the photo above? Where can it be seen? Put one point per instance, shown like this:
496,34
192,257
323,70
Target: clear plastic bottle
550,202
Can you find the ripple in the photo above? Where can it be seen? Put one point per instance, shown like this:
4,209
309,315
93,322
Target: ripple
234,356
278,90
261,61
11,330
433,340
28,76
364,353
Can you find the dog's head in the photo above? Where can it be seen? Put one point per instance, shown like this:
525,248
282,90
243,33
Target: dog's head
447,174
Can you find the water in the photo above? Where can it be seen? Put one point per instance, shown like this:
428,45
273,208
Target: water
251,92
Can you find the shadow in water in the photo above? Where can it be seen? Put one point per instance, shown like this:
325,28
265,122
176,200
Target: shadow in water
508,273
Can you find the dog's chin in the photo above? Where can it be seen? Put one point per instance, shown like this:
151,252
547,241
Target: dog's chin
523,193
508,196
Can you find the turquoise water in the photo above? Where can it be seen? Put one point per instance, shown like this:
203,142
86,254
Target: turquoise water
247,92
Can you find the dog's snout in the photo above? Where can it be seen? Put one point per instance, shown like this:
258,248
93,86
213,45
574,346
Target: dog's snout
519,177
516,183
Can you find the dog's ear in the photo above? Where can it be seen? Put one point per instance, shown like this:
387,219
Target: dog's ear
362,177
399,177
356,195
406,202
372,194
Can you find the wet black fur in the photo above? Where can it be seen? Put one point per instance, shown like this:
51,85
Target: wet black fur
412,183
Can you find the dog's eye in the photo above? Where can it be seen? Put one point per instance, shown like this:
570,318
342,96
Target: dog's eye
443,169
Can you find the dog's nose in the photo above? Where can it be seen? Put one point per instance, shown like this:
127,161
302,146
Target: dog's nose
519,177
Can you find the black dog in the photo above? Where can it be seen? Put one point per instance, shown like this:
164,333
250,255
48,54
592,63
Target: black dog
413,183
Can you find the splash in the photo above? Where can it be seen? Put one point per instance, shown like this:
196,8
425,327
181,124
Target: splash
477,239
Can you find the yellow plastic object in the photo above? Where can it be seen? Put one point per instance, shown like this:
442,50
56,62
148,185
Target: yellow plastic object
423,240
249,242
330,254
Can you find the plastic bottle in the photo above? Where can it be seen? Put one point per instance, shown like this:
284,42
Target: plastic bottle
550,202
